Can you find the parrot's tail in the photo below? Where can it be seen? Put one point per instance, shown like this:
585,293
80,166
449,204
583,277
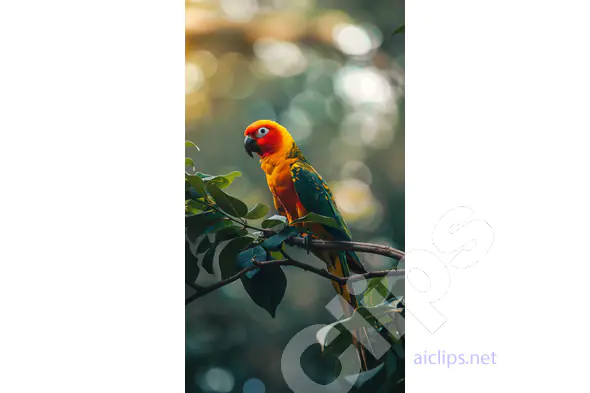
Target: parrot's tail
338,264
341,264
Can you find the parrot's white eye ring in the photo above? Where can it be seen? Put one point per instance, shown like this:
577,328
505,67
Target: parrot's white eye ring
262,131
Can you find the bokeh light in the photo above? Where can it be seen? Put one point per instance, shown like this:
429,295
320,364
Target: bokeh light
357,170
194,78
280,58
355,199
254,386
299,122
352,40
363,85
217,380
239,10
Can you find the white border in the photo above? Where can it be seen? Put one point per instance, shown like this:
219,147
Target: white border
91,216
497,120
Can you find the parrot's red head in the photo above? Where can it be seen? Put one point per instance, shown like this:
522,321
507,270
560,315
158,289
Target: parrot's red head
267,138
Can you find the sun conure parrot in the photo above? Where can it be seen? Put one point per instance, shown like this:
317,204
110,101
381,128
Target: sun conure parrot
298,189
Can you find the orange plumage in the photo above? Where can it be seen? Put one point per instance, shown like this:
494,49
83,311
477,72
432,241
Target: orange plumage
276,163
298,189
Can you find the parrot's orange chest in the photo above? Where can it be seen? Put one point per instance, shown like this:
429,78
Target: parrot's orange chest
280,183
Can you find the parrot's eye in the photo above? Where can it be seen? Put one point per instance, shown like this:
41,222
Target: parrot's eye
262,131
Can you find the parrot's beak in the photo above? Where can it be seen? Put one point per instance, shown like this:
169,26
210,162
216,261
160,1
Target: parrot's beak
251,146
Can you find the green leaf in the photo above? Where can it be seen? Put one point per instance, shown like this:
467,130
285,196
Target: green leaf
190,193
194,207
221,235
385,319
372,380
191,144
398,30
276,255
190,264
383,289
385,378
227,257
274,221
317,219
232,175
222,181
227,203
197,184
208,260
204,245
267,288
377,291
218,226
274,242
258,211
203,175
198,224
244,259
189,162
363,315
229,233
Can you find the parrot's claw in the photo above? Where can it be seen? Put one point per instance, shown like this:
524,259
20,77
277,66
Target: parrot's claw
307,242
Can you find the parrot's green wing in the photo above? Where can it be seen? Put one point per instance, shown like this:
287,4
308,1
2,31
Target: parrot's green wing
316,197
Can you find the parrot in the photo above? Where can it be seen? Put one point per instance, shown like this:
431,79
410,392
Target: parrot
298,189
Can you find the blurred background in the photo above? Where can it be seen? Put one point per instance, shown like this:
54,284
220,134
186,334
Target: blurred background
331,72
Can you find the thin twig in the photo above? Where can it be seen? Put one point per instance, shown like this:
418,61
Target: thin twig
290,262
267,232
217,285
194,286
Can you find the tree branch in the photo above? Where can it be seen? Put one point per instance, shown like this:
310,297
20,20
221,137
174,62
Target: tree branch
369,248
328,275
290,262
317,244
205,290
194,286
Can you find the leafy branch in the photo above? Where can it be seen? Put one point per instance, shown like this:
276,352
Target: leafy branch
218,233
221,238
202,291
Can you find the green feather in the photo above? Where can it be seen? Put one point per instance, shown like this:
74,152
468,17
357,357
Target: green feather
316,197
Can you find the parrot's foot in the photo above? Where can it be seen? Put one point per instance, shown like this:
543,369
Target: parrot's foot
307,238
